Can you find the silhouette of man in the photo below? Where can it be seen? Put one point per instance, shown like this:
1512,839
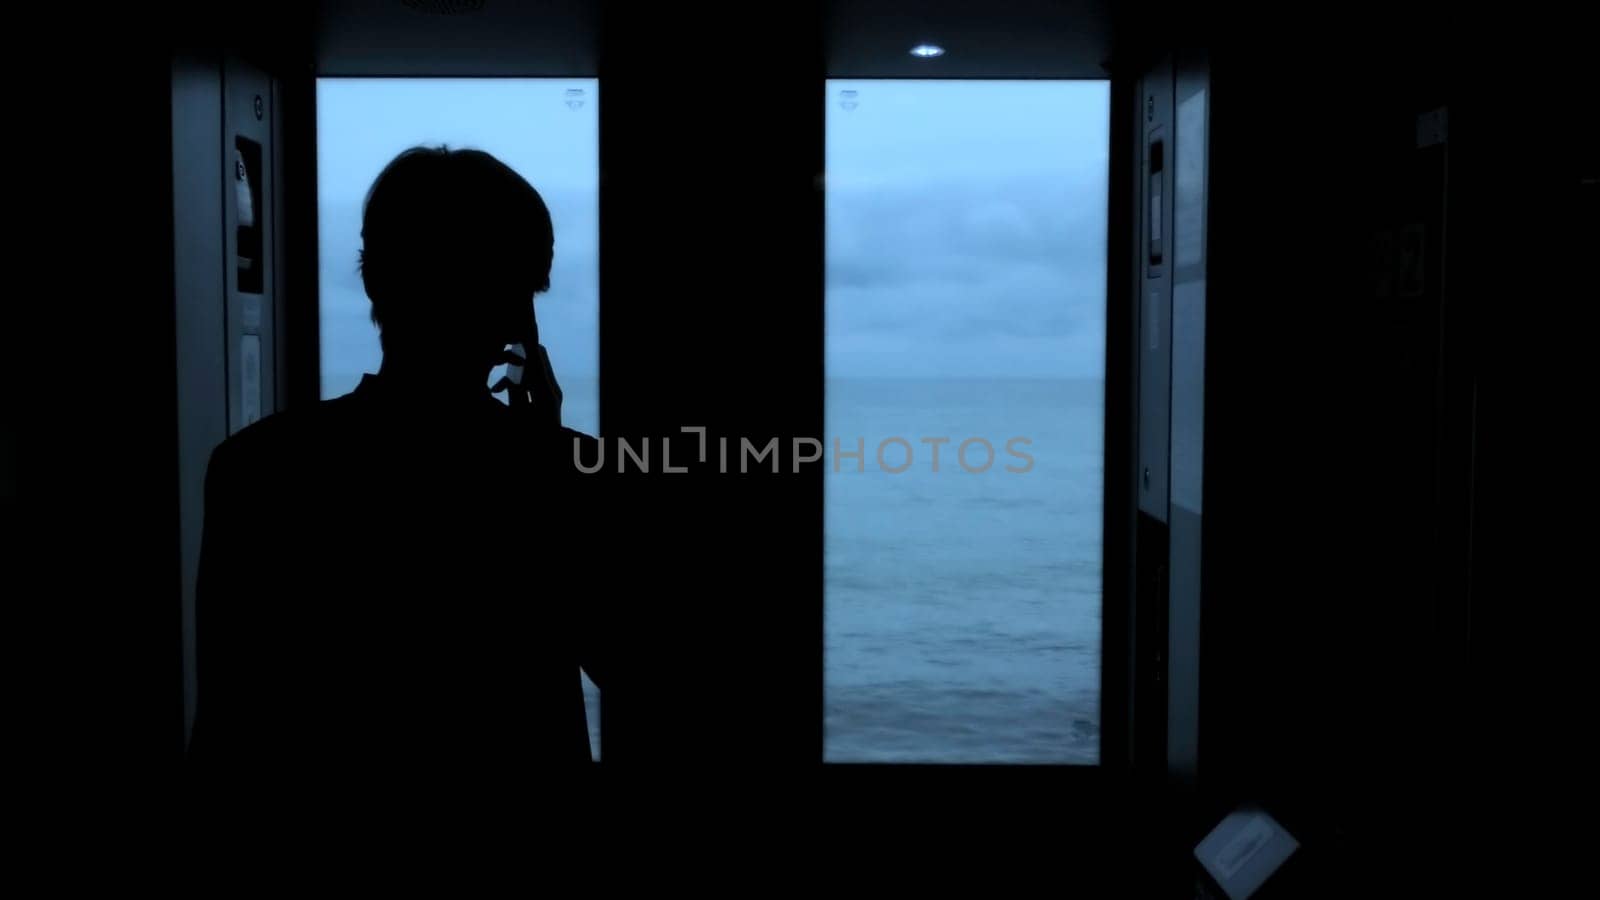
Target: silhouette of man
380,585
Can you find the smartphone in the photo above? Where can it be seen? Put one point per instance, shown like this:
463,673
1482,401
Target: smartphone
514,371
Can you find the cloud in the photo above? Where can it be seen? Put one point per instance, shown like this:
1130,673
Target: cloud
1021,259
966,228
965,221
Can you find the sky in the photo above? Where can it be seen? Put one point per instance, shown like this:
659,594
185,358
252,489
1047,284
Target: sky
965,219
531,126
966,228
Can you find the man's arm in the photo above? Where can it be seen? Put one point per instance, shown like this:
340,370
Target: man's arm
215,594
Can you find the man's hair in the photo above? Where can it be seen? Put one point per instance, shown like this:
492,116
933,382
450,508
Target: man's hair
444,231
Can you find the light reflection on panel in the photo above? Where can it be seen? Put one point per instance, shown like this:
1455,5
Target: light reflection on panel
966,230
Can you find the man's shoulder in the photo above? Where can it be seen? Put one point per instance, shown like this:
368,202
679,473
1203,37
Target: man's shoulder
281,433
573,438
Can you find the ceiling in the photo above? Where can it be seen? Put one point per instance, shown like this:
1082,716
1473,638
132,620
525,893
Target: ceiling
862,38
982,38
458,37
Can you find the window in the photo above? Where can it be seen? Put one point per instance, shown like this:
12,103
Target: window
545,129
966,304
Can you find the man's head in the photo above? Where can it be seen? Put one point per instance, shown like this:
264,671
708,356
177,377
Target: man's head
454,247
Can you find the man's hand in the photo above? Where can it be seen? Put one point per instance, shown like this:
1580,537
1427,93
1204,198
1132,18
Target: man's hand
538,392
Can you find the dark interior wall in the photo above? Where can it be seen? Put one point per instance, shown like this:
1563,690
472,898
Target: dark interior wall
711,315
1524,214
99,471
1371,445
1318,632
96,373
